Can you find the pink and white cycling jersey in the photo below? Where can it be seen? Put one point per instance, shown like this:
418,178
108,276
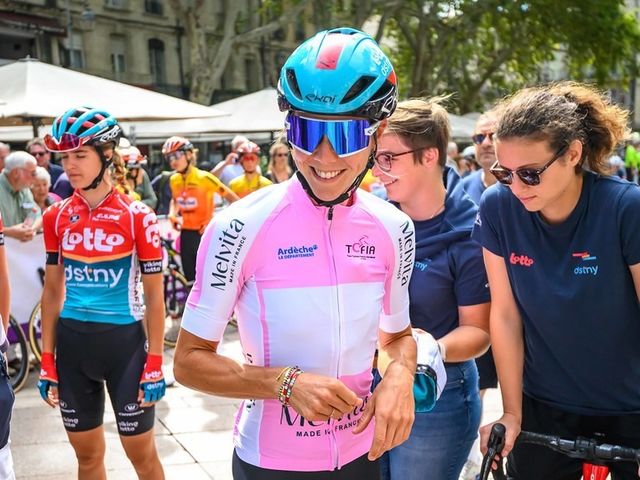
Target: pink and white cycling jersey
308,290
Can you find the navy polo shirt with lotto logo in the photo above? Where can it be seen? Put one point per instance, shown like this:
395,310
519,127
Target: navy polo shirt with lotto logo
575,294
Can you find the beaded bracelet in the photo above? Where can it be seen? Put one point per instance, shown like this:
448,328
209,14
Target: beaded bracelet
291,374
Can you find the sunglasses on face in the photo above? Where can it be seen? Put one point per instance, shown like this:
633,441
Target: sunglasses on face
39,154
384,160
169,157
528,176
281,154
347,137
478,138
67,143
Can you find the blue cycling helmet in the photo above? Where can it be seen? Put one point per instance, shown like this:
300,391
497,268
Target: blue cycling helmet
339,72
86,126
82,126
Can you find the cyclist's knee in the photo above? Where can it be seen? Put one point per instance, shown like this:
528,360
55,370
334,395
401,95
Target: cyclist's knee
141,452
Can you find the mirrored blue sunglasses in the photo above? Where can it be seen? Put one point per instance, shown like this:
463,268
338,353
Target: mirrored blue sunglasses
347,137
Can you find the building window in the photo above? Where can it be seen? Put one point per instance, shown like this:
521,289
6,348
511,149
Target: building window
73,52
156,61
116,4
153,6
118,59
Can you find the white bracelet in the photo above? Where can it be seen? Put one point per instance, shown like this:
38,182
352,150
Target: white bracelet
443,351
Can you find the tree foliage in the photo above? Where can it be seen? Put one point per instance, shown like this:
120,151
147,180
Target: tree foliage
209,53
482,49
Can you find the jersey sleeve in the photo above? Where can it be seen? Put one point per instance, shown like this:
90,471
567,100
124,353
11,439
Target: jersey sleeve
395,315
147,238
51,239
214,184
218,278
485,230
629,224
471,283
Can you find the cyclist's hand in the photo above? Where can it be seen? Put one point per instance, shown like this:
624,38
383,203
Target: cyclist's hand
48,383
152,384
393,407
512,426
317,397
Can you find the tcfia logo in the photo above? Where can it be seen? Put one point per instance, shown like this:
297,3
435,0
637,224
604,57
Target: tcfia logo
588,269
92,240
523,260
361,249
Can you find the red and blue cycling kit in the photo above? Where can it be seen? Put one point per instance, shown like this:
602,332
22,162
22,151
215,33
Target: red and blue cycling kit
311,287
104,250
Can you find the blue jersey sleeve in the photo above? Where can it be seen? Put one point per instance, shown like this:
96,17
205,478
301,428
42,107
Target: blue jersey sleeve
471,284
629,223
485,230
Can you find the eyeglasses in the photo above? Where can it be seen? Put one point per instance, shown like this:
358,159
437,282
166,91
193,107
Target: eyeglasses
384,160
347,137
281,155
478,138
169,157
39,154
528,176
67,142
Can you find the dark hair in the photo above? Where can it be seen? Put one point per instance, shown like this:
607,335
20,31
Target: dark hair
423,123
561,113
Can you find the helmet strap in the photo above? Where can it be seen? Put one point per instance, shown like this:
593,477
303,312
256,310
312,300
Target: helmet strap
105,164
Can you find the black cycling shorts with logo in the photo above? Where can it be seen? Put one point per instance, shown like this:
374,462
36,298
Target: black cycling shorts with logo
88,354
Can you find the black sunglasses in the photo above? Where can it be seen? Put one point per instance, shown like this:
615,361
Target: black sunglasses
478,138
528,176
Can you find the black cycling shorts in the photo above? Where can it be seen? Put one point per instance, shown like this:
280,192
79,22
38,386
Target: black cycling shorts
88,354
360,469
189,243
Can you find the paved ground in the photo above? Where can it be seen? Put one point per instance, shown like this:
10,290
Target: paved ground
193,434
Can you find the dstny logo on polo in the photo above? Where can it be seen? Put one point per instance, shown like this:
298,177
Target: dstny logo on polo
586,267
91,240
523,260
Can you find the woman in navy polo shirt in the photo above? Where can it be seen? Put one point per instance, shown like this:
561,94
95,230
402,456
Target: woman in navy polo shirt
448,291
562,254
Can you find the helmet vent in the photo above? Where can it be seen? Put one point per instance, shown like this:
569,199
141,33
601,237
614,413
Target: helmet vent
383,91
293,83
357,88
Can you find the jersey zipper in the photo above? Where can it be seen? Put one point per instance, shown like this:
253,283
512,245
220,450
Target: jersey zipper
334,439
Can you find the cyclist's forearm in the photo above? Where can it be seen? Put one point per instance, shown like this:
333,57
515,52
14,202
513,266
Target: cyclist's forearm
154,312
198,366
51,306
508,352
399,349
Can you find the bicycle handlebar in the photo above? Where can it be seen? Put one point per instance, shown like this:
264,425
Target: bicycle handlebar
582,448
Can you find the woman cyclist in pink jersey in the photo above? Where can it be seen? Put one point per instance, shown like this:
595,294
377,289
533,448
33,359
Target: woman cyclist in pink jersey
100,244
317,273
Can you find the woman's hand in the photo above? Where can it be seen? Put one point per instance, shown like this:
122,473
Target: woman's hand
512,426
393,406
318,397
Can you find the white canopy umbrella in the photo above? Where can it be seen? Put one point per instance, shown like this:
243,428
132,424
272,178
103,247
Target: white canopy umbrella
32,90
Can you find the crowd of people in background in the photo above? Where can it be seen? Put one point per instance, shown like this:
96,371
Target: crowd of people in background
475,223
